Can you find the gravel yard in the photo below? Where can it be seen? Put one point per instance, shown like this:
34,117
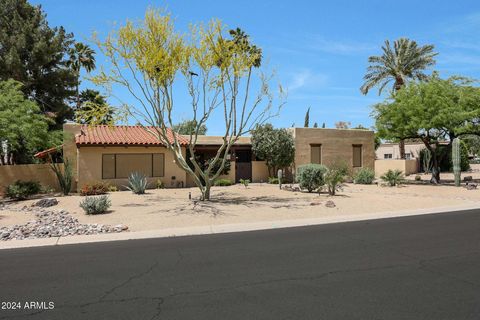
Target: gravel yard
171,208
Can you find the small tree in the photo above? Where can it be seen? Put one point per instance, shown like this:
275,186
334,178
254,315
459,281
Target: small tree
93,109
148,57
188,127
275,146
23,129
434,111
307,118
342,125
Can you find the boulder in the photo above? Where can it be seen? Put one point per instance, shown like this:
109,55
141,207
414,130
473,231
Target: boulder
45,203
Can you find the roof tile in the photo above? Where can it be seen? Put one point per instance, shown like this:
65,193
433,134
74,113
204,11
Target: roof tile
122,135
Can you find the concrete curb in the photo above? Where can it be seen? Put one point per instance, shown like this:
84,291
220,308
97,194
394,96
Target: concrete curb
223,228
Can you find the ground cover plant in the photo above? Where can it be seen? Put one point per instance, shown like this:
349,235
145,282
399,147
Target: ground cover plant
95,205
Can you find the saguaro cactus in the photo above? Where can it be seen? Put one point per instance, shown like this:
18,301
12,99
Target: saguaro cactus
456,160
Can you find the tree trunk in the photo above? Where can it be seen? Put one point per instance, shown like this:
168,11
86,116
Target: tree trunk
401,146
206,192
435,169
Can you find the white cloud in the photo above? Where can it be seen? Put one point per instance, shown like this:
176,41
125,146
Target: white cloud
307,79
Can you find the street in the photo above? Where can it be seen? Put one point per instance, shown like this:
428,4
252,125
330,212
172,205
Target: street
423,267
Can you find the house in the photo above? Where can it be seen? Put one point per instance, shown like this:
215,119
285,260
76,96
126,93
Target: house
110,153
392,150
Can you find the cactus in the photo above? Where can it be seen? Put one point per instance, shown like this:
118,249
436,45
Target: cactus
426,157
456,160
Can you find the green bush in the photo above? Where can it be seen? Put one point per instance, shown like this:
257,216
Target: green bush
137,183
112,188
364,176
393,177
335,176
273,180
20,190
223,182
418,178
95,205
94,189
311,176
160,184
245,182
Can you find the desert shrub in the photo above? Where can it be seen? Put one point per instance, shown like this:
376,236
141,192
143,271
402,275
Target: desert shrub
160,184
95,205
393,177
20,190
335,176
418,178
273,180
137,183
364,176
245,182
94,189
311,176
223,182
65,176
112,188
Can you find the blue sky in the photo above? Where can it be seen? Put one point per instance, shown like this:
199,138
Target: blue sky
319,49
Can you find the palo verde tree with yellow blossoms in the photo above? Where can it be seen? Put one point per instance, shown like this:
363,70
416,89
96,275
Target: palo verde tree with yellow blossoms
217,69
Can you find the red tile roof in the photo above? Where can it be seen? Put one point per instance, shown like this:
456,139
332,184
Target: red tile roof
121,135
45,153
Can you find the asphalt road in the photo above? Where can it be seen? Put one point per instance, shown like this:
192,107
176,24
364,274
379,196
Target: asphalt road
424,267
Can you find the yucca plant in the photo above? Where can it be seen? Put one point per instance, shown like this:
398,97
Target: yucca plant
137,183
393,177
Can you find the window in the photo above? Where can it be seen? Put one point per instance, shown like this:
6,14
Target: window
108,166
119,166
158,165
316,153
408,156
357,155
387,156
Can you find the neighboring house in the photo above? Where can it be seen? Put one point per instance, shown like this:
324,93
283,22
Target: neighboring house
110,153
388,151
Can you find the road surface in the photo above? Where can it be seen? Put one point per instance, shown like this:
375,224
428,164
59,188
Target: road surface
423,267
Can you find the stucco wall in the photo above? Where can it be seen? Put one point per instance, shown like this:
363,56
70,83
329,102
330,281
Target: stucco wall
231,174
337,145
90,165
28,172
393,148
259,171
406,166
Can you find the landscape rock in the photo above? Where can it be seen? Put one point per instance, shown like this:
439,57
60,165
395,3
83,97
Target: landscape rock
330,204
471,186
51,223
45,203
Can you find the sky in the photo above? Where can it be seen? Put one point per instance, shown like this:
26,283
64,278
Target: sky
318,49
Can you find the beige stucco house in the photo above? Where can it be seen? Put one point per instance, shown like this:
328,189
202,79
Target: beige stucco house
109,154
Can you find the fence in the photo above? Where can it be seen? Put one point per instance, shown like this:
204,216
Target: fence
28,172
406,166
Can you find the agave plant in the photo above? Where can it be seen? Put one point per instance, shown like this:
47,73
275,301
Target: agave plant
137,183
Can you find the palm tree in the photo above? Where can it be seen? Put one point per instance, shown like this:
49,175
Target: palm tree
405,61
81,56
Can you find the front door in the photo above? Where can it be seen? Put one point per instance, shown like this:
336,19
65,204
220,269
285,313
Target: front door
243,165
